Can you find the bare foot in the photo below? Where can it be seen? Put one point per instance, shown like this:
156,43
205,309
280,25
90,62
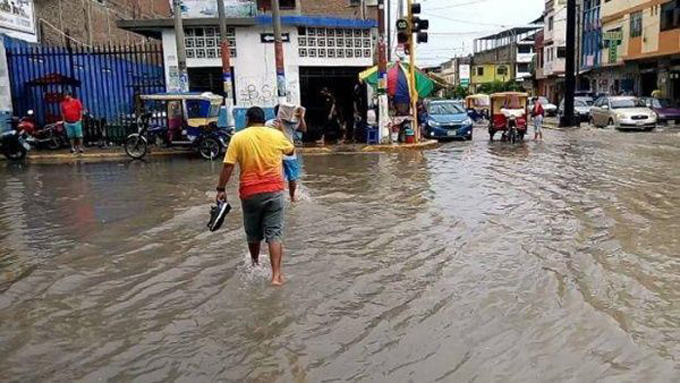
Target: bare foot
293,199
277,281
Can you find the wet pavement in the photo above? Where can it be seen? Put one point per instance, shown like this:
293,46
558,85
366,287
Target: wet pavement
478,261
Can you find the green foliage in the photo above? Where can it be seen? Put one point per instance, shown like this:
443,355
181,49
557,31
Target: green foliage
499,86
457,92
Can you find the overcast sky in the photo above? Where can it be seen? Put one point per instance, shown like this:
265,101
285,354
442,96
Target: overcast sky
455,23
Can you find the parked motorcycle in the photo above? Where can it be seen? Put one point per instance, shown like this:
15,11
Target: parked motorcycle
51,136
13,143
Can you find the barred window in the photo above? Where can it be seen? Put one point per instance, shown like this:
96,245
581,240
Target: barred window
205,42
335,43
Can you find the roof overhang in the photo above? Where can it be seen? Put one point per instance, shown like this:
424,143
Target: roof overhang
154,27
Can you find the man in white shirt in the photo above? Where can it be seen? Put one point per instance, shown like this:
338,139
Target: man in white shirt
290,125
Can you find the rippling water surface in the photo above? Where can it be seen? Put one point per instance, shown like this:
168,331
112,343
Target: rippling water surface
475,262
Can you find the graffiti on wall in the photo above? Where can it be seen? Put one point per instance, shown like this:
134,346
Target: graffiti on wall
252,92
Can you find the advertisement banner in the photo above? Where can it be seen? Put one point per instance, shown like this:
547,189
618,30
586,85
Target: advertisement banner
17,15
464,74
208,8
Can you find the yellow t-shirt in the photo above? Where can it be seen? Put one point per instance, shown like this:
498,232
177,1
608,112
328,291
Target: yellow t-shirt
259,151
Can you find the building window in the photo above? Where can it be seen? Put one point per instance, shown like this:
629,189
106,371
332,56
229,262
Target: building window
205,43
551,21
523,68
283,4
334,43
670,15
636,24
502,71
524,49
561,52
354,3
480,71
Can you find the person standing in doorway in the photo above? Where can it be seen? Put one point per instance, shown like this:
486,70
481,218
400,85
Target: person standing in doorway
72,113
259,151
538,113
289,125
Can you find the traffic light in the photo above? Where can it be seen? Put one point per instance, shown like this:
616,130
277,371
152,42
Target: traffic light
418,26
403,31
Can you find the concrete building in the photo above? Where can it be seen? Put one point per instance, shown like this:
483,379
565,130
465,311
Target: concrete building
554,49
324,46
456,72
92,22
639,50
504,56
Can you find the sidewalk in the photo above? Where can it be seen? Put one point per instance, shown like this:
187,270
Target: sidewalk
117,153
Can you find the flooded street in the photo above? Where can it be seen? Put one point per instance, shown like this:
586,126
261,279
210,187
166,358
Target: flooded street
475,262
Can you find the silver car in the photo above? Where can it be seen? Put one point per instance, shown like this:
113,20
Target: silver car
622,113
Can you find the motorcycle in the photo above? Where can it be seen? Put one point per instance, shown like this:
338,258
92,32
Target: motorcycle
187,120
51,136
13,143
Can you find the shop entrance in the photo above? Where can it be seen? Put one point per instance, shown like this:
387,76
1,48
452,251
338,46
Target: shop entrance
208,79
340,81
647,82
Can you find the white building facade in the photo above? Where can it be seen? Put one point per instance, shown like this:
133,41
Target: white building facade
319,52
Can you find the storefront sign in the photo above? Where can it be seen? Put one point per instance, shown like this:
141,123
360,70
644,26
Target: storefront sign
613,51
17,15
208,8
613,36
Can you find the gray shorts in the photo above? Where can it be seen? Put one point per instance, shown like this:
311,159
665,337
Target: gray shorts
263,217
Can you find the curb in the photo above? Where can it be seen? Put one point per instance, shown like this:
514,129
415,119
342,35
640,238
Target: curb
322,150
94,157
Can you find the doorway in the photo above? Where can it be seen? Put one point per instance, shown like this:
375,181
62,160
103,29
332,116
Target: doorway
647,82
340,81
208,79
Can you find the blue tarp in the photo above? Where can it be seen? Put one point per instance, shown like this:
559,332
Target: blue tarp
317,21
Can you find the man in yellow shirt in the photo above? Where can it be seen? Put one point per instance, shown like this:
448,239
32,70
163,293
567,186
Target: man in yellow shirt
259,152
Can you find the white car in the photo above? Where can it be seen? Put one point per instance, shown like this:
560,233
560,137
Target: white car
622,112
549,108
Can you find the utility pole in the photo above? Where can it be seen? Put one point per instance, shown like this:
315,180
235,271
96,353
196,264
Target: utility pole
227,77
570,77
278,52
412,72
383,102
389,30
181,48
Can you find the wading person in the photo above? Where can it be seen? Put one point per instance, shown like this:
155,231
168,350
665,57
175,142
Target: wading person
538,113
259,152
72,113
289,120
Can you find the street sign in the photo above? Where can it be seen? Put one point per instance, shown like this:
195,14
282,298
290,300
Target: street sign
614,35
402,25
269,37
465,82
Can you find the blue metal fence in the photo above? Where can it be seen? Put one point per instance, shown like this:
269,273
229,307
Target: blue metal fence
106,79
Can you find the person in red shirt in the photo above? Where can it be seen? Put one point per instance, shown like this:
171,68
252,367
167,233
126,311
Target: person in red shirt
72,113
538,113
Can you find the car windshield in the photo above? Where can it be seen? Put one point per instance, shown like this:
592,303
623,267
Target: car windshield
624,103
586,100
543,100
580,103
445,108
662,103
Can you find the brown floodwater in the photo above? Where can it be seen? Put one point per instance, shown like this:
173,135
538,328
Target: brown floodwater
477,261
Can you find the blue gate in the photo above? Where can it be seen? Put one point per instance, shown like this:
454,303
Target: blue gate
106,79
